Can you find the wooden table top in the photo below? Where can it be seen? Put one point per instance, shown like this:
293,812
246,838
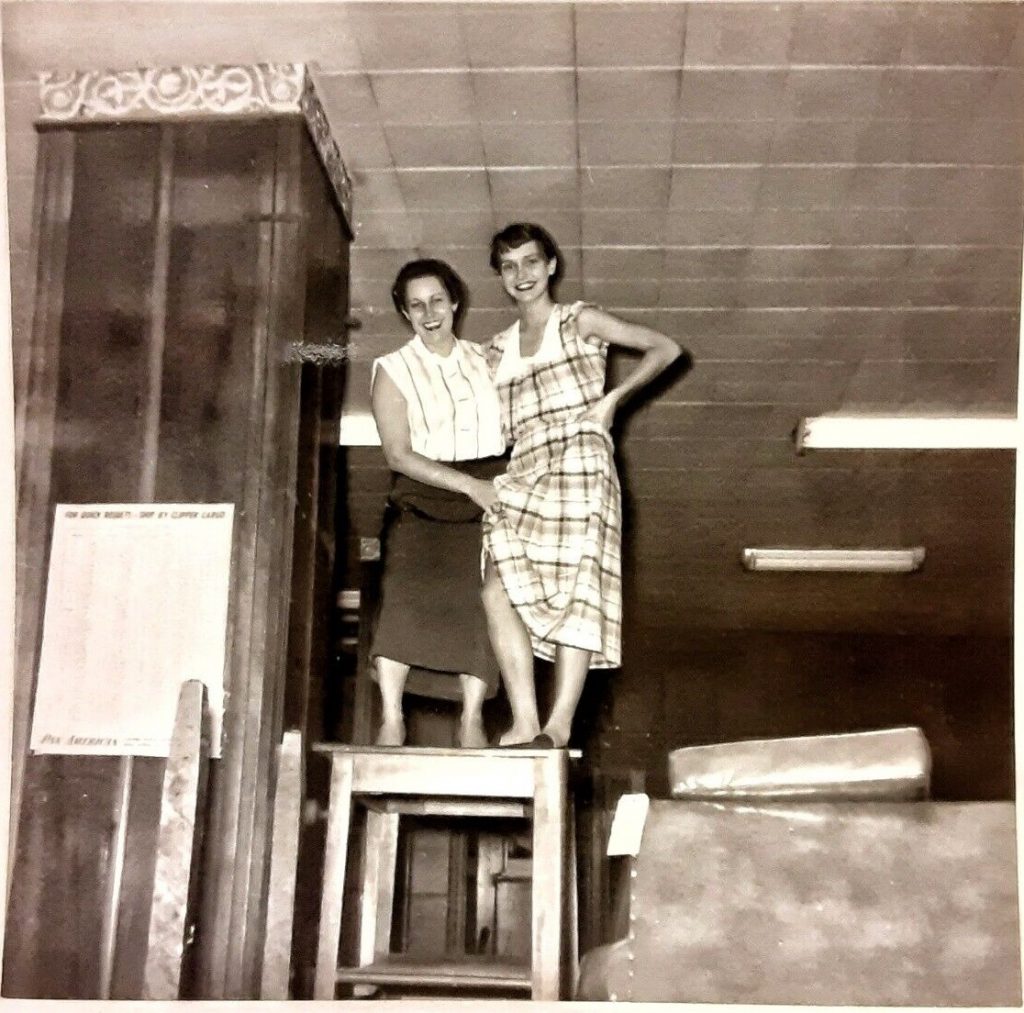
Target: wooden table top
343,747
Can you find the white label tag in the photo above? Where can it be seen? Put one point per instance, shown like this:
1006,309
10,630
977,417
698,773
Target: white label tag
628,824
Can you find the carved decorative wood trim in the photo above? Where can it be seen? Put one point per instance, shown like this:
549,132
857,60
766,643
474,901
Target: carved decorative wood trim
202,90
218,90
326,146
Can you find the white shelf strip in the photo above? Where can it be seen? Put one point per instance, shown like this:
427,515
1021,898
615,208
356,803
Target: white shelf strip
908,432
835,560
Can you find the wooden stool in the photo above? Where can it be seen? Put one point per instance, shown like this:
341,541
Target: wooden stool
390,782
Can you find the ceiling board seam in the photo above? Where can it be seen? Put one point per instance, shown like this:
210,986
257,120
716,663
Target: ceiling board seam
810,308
387,144
478,123
364,75
714,121
576,115
803,278
709,166
733,247
665,68
780,280
715,404
821,470
676,135
959,361
894,308
775,140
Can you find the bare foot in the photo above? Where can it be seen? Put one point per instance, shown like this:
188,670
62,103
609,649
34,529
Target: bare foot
559,736
472,735
392,733
516,735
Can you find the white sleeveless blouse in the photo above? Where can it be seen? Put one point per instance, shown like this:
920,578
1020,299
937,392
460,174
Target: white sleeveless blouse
513,363
452,404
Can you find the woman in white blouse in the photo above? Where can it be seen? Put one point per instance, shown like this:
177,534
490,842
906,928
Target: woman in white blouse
439,421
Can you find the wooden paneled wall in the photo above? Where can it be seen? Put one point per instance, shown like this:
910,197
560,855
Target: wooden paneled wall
699,687
714,653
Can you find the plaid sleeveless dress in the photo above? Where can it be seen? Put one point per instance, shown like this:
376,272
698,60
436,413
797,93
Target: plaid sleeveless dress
555,535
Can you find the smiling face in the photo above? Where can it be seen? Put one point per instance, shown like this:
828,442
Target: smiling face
429,308
526,272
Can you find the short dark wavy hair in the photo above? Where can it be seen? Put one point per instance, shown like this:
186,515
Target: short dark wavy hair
512,236
429,268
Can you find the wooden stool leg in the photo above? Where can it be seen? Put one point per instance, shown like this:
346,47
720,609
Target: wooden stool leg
549,826
376,909
377,896
572,966
489,860
335,855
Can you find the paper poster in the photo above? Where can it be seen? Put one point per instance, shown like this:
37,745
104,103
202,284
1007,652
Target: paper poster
628,824
136,604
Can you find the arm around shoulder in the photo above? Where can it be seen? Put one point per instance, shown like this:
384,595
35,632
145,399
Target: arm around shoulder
391,414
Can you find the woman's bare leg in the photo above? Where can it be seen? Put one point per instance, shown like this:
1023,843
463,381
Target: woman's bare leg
391,676
571,667
511,642
471,722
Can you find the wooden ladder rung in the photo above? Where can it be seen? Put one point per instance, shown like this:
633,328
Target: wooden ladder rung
469,971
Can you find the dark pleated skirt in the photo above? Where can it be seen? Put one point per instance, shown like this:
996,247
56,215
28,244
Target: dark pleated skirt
430,613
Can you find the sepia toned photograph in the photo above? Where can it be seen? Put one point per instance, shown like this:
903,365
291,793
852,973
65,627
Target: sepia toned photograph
515,500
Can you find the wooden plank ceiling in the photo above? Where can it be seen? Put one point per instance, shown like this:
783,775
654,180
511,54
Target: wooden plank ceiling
822,201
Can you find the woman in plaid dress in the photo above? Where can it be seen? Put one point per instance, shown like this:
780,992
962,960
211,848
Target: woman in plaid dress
552,584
